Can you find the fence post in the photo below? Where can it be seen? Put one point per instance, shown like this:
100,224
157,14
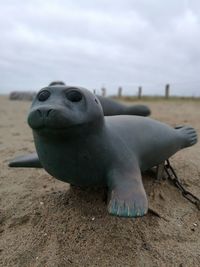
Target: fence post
140,92
120,91
167,89
103,91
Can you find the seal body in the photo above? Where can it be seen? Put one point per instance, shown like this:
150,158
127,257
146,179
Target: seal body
86,160
77,144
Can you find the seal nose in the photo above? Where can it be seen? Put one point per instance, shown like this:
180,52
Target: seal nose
44,113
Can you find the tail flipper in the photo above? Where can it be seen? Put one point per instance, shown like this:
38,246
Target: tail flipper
112,107
139,110
26,161
189,135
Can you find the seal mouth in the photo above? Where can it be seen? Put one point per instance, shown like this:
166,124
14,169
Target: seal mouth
53,119
49,126
46,126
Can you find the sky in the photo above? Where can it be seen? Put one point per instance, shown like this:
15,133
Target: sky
99,43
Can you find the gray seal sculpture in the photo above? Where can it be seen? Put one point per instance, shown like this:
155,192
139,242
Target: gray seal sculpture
112,107
75,143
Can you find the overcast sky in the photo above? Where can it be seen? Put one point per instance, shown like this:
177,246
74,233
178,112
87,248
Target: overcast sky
101,43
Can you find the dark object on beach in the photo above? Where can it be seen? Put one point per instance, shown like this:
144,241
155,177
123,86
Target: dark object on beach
75,143
22,95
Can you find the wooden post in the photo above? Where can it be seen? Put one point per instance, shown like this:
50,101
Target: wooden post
140,92
103,91
167,89
120,91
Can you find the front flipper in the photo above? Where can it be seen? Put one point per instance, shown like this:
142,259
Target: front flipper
127,197
27,161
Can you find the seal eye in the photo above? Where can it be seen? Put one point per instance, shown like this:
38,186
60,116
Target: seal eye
44,95
74,96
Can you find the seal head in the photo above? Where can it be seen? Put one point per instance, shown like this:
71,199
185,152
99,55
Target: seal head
60,108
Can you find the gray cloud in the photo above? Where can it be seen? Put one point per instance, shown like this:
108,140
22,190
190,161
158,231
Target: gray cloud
95,43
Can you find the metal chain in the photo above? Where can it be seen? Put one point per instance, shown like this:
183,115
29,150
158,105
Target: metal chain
172,176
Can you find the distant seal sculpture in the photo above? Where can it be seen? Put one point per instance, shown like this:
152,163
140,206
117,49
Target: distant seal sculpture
75,143
112,107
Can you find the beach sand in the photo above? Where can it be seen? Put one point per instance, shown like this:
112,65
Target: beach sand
45,223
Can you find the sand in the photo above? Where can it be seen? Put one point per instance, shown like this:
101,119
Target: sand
45,223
